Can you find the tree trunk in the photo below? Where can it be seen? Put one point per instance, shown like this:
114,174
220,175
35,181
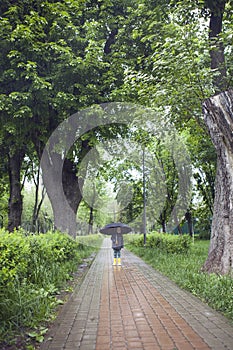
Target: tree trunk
63,191
164,229
91,221
188,217
218,114
15,205
162,221
216,46
72,185
35,208
177,222
63,186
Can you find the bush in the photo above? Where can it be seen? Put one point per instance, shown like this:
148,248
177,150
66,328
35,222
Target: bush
14,258
32,270
23,256
165,242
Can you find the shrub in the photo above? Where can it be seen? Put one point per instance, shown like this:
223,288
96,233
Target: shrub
23,256
168,243
14,257
33,267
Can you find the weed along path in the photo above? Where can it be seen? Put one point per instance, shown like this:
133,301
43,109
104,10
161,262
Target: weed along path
134,307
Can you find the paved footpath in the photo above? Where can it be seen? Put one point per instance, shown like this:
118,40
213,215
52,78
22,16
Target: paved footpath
134,307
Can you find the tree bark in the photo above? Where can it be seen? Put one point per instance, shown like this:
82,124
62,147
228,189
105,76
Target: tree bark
216,46
72,185
91,221
15,204
64,186
218,114
35,208
162,221
63,208
188,217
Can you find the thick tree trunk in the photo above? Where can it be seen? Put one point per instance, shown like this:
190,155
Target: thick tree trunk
218,114
63,186
64,193
15,205
72,185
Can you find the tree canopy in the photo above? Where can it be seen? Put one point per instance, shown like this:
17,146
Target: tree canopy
61,57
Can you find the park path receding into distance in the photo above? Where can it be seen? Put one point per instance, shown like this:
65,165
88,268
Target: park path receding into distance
135,307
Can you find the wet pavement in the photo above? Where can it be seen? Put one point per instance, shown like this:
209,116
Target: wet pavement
135,307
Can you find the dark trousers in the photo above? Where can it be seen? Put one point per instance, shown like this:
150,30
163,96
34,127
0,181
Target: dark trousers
117,253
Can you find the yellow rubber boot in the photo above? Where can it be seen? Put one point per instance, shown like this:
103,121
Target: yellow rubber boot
119,262
114,262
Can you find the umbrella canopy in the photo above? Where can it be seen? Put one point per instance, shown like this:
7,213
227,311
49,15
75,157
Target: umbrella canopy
115,227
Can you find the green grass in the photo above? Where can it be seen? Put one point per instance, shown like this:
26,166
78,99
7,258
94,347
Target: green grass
185,271
91,241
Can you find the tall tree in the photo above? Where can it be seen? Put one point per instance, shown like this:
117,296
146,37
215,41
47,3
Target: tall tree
218,116
218,113
188,64
56,59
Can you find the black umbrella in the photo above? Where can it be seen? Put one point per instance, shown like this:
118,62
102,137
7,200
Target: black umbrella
115,227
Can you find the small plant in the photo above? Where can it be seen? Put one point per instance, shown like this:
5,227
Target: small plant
39,335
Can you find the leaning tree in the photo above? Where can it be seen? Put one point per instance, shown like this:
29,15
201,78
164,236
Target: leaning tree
218,114
173,73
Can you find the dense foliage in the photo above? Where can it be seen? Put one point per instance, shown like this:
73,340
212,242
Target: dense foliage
167,243
33,268
60,57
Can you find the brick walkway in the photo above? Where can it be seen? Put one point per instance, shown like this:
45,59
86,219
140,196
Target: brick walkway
134,307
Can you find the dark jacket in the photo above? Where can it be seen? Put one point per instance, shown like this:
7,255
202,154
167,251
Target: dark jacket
117,241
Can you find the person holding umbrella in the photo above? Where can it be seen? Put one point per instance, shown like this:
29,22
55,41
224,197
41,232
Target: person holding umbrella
116,230
117,245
